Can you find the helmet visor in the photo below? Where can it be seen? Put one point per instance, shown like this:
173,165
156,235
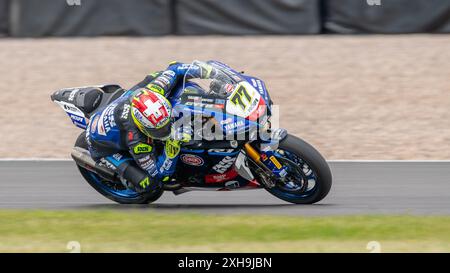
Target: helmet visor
161,133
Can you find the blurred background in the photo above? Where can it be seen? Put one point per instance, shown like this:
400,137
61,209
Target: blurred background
358,79
24,18
343,80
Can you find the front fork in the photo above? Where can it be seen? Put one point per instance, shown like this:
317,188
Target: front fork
266,160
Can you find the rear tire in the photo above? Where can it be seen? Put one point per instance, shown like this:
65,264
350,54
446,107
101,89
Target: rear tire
315,161
95,181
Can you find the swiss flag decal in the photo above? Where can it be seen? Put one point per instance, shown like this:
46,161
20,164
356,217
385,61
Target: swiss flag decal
152,108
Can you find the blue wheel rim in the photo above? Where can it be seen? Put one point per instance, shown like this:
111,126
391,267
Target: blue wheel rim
127,193
307,175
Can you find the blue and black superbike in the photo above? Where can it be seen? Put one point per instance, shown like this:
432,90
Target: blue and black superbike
234,143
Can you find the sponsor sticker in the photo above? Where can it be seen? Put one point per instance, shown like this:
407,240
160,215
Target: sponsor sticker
192,160
219,178
80,125
106,120
169,73
229,87
76,118
224,164
100,126
94,124
147,163
70,108
142,148
160,83
155,88
72,94
263,157
275,162
125,111
254,83
164,79
117,156
220,150
226,121
79,121
234,125
108,164
166,165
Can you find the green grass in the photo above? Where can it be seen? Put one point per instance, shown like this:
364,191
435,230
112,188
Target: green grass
142,231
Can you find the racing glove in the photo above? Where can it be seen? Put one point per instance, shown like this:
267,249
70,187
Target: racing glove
173,144
172,148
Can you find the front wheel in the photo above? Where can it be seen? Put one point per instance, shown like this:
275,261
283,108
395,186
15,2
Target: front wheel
114,190
309,176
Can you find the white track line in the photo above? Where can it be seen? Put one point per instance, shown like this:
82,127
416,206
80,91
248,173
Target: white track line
388,161
331,161
35,159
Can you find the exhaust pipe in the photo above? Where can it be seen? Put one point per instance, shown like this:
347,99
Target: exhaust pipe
83,159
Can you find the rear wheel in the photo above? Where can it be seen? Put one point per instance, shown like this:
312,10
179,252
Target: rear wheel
309,177
114,190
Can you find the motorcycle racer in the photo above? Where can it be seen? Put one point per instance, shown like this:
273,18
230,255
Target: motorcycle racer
130,124
136,138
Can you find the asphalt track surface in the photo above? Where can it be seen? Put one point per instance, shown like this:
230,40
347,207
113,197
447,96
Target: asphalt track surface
401,187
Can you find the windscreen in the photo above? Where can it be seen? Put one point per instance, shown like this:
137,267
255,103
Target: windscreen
208,78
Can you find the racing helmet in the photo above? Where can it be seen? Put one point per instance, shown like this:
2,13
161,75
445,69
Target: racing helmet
151,113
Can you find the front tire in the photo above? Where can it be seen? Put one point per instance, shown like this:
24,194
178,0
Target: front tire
121,197
308,156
